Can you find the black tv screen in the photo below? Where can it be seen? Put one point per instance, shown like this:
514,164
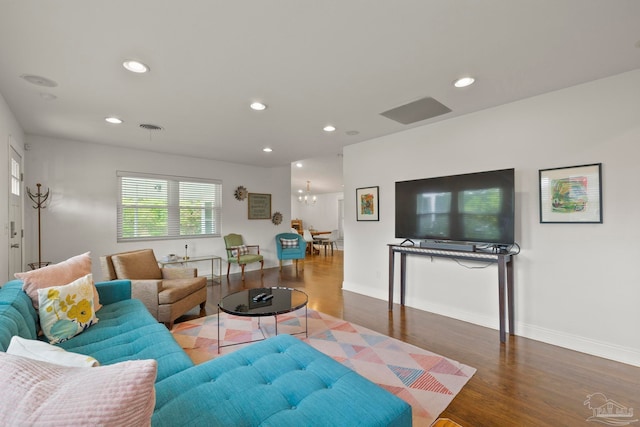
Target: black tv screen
475,207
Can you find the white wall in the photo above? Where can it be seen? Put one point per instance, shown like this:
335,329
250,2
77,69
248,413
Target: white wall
576,285
11,135
81,213
322,216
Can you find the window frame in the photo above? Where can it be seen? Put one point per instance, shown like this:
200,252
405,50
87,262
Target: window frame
210,218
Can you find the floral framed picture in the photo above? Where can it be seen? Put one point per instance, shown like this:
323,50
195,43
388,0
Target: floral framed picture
367,204
571,194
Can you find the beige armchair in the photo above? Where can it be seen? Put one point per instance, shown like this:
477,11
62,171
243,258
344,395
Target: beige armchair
167,293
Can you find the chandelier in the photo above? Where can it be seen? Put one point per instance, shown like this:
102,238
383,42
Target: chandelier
307,198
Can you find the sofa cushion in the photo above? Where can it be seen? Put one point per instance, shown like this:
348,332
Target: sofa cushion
139,265
128,331
113,291
106,264
66,311
249,258
57,275
174,290
277,382
17,315
41,393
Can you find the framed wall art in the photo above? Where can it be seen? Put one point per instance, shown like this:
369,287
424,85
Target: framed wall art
259,206
571,194
367,204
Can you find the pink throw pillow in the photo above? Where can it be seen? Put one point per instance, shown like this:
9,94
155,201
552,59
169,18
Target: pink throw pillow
42,393
59,274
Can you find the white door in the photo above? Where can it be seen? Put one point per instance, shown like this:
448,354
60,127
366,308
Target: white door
15,214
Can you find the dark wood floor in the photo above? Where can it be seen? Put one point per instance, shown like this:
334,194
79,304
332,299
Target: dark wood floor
520,383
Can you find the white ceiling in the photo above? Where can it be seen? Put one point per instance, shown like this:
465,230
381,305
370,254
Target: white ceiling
313,62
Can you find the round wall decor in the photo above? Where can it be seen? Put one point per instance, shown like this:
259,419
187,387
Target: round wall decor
276,218
241,193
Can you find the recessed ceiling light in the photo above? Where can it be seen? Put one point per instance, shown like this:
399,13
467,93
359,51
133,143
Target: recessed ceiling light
113,120
135,66
258,106
39,80
464,82
300,191
329,128
298,165
267,149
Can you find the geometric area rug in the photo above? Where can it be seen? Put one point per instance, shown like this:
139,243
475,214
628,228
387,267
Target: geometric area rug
425,380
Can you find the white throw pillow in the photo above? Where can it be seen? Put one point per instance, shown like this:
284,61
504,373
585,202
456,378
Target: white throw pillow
39,350
236,251
288,243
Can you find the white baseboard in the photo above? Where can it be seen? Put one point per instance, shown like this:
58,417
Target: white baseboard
586,345
603,349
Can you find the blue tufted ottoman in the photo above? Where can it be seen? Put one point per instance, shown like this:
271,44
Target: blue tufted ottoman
278,382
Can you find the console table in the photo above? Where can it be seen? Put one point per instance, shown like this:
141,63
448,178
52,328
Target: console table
505,275
212,258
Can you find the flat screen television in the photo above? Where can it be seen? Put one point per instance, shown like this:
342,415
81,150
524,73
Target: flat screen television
470,208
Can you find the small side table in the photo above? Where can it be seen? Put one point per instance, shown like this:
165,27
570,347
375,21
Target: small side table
212,258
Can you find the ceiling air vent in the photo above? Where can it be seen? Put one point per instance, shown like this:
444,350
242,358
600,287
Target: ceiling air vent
39,80
422,109
149,126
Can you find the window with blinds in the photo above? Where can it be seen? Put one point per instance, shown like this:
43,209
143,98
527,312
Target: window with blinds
154,207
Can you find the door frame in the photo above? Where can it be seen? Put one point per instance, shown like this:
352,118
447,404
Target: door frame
15,233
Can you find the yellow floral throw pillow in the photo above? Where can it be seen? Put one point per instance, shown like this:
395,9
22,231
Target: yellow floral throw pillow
67,310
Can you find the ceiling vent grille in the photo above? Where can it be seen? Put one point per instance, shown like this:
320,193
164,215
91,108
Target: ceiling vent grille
422,109
149,126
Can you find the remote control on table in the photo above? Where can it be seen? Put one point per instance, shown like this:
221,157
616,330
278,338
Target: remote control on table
259,297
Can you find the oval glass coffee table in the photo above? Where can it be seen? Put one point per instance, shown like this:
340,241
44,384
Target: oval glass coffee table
263,302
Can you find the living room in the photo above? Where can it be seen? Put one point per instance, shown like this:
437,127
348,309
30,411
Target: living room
575,284
568,123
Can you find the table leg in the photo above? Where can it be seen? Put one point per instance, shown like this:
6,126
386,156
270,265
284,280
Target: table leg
391,276
403,276
501,291
510,296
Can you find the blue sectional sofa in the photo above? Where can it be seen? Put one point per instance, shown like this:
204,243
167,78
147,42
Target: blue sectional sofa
277,382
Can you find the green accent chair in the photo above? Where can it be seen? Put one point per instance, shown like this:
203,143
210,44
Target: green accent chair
241,254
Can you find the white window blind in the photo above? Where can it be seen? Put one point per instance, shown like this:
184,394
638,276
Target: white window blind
153,207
